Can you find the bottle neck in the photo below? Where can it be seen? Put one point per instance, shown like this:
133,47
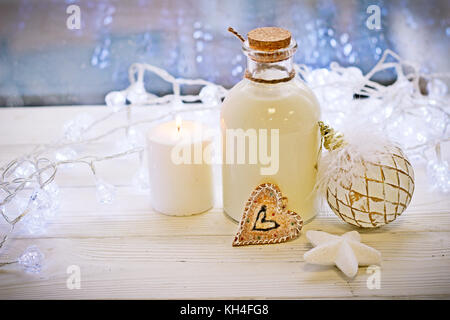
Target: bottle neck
270,72
270,66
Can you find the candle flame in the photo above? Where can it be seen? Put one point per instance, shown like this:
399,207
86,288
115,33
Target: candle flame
178,123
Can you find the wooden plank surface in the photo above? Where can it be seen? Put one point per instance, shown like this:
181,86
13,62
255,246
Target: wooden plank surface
126,250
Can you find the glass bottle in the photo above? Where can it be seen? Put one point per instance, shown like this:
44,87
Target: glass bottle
271,98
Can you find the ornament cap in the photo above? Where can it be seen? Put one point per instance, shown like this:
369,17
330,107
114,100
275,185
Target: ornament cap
332,140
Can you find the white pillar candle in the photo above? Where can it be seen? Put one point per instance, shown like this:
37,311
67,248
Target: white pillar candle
179,165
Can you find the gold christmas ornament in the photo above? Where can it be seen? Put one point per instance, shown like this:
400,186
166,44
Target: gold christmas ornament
367,180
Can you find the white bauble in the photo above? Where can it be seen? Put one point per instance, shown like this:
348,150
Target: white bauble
378,192
368,181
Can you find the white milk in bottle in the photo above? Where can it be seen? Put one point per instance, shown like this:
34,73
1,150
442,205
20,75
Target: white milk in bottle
269,124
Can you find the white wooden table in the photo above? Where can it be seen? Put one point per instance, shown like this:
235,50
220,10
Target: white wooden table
125,250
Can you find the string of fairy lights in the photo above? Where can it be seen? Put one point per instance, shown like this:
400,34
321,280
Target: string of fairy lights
418,122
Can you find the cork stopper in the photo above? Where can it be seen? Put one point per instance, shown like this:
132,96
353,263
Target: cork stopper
269,38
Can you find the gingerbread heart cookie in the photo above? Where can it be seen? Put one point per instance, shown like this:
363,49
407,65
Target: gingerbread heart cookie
266,218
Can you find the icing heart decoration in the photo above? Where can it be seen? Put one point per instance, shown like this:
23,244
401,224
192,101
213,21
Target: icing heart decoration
266,218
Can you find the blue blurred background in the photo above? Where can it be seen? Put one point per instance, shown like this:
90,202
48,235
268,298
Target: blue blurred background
42,62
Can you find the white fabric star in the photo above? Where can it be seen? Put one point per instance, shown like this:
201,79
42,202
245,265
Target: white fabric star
346,251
